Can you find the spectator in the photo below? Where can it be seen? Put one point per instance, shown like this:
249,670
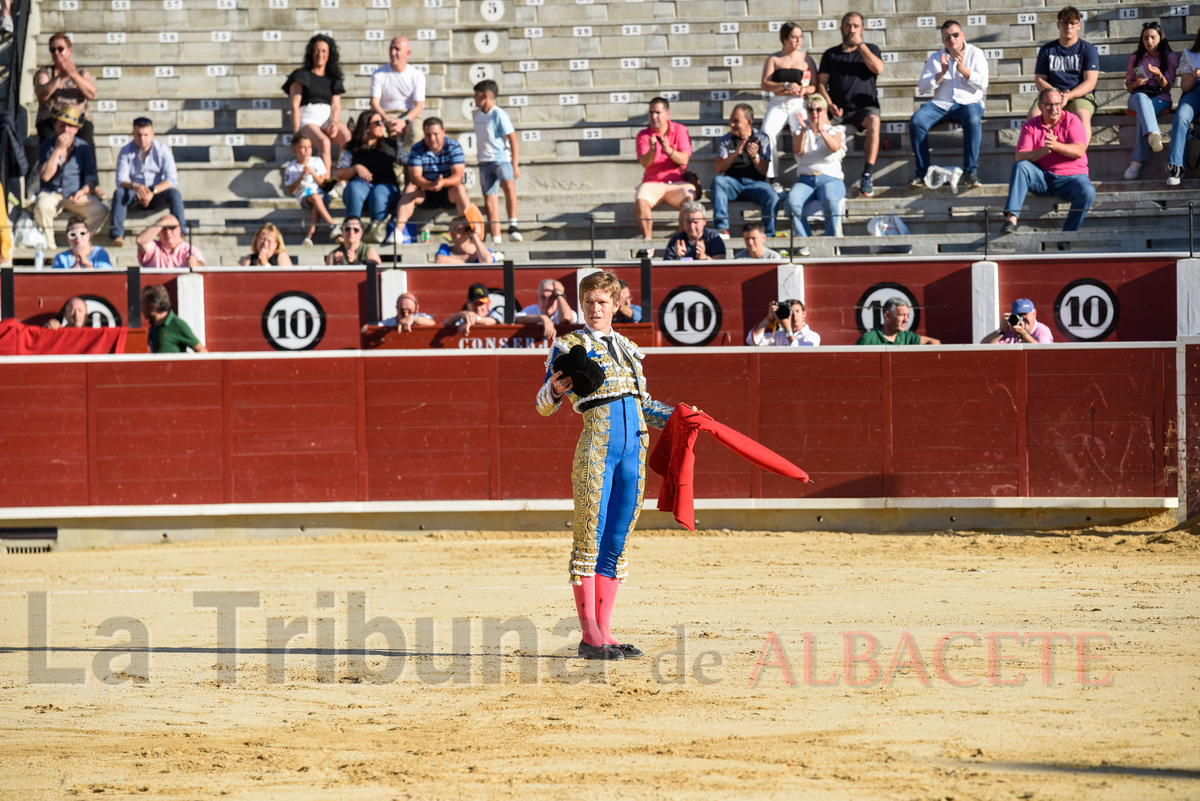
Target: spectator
847,82
398,93
784,326
6,20
694,241
371,175
754,236
626,312
68,172
1051,160
465,245
315,92
435,177
957,75
496,141
1189,101
408,315
788,76
1070,65
896,312
352,250
551,308
1149,76
819,146
303,177
74,314
61,85
146,175
663,149
81,254
168,333
1021,327
161,247
477,311
743,158
267,250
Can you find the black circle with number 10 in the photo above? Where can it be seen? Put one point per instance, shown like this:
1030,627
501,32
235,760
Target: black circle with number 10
293,320
690,316
1087,310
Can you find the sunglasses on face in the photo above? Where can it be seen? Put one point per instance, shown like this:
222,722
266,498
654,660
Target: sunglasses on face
376,122
58,50
352,229
77,234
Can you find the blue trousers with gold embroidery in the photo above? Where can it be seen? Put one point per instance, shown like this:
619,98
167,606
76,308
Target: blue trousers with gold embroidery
609,479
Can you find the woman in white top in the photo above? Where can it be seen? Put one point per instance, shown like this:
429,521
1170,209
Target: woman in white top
819,148
1189,69
790,76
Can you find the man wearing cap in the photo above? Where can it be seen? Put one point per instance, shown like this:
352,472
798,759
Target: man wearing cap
68,172
146,175
1025,330
477,311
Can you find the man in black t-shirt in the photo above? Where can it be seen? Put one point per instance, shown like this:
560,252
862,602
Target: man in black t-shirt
846,79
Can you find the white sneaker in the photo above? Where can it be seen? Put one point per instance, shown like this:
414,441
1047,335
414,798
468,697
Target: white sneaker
1132,171
335,233
514,234
802,250
1174,175
497,239
307,242
6,25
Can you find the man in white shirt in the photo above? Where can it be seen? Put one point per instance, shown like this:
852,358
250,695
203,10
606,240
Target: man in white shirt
398,93
551,308
784,326
957,75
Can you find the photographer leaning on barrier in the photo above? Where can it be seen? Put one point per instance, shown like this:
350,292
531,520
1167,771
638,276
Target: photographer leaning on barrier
784,326
1021,326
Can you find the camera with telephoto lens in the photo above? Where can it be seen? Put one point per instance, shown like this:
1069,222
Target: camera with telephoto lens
1015,319
782,310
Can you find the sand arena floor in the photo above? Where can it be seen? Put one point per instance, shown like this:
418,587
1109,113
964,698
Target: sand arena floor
188,717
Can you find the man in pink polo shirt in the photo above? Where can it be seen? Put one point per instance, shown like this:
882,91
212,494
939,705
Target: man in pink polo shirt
161,246
1051,160
663,149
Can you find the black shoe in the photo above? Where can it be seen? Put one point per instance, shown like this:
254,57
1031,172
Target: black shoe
606,652
1009,227
630,651
1064,245
971,180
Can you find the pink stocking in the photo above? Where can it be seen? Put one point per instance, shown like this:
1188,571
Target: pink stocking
585,605
606,597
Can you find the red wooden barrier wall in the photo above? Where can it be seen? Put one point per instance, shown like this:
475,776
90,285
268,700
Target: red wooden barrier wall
236,300
1066,421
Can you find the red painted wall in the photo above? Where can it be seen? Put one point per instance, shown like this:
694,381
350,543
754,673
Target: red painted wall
1067,421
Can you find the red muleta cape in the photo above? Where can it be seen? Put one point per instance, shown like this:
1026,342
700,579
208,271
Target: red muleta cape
674,460
18,339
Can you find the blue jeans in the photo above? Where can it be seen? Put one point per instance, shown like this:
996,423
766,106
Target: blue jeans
1147,108
1183,123
725,189
1075,189
378,198
929,115
123,199
830,192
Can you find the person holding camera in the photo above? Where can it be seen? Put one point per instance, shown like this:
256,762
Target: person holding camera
552,307
784,326
1021,327
664,150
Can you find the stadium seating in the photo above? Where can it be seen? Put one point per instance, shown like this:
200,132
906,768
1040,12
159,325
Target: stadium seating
576,77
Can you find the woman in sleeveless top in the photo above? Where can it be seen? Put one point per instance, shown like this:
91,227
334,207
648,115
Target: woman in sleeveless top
315,93
353,249
60,85
268,249
789,75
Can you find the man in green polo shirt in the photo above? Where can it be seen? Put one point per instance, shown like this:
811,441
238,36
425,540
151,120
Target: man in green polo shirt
895,318
168,333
